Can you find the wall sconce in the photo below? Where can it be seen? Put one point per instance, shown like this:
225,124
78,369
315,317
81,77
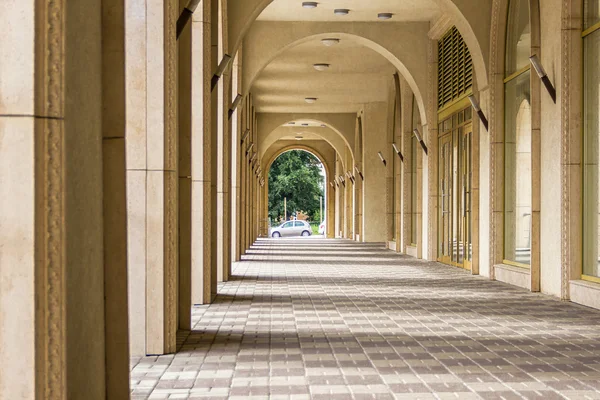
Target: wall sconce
186,15
359,173
249,148
398,152
480,114
381,158
537,65
350,176
236,102
420,139
220,70
246,133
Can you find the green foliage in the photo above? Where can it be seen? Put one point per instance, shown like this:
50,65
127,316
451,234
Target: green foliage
295,175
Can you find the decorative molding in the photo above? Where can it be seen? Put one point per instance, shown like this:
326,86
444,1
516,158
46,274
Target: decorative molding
571,213
440,27
170,181
50,247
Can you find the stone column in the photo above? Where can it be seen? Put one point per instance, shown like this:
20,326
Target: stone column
243,161
211,274
152,175
348,192
53,271
406,131
115,201
19,125
358,187
185,176
339,199
223,256
374,199
428,206
236,146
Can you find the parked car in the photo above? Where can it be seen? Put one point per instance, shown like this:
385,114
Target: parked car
322,227
292,228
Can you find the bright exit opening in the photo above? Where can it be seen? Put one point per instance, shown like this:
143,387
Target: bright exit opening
297,203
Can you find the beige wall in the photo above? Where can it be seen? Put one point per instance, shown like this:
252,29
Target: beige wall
374,188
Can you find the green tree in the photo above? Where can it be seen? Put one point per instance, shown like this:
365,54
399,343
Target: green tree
296,176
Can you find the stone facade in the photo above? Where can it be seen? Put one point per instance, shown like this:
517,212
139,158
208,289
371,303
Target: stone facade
128,185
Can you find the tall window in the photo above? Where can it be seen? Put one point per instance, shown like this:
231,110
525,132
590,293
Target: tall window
591,139
413,176
517,137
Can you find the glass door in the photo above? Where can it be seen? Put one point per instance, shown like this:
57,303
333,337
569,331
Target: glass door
455,180
445,206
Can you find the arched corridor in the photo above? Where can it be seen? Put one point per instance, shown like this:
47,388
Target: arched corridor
328,319
461,146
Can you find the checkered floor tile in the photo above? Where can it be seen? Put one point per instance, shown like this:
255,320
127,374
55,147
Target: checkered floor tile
333,319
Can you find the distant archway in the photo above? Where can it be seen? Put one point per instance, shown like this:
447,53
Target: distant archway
329,205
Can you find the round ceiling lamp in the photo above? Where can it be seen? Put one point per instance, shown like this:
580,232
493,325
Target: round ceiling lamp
310,100
330,42
341,11
310,4
385,16
321,67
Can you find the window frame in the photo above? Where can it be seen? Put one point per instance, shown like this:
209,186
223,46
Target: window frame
507,79
584,34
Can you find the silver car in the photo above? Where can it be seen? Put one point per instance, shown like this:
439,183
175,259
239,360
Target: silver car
292,228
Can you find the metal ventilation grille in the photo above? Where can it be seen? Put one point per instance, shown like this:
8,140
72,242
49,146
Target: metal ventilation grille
455,74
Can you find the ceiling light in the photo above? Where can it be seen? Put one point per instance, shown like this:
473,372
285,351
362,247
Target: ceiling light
385,15
341,11
304,124
310,100
310,4
330,42
323,125
291,123
321,67
298,137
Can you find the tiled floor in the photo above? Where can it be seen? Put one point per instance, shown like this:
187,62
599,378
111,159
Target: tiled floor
339,320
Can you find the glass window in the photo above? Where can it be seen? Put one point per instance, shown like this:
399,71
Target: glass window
517,162
591,13
288,225
299,224
518,37
591,148
517,137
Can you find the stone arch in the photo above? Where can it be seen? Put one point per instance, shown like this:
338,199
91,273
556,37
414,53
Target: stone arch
475,31
306,148
341,124
329,135
329,166
408,56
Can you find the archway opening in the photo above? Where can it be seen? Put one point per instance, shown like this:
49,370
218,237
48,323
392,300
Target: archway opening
296,195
